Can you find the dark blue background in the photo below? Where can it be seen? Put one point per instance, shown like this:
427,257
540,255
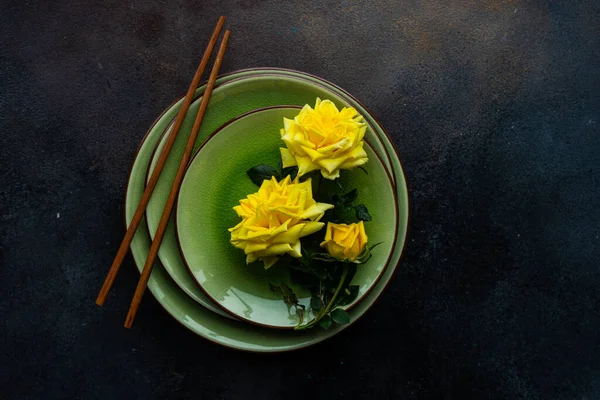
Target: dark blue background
494,107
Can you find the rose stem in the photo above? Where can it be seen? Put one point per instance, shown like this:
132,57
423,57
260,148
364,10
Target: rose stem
326,309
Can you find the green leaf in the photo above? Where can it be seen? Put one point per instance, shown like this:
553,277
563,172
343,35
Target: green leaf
261,172
340,316
347,295
352,268
349,197
311,267
329,285
304,278
344,214
291,171
364,170
288,294
308,175
362,213
315,303
291,300
325,322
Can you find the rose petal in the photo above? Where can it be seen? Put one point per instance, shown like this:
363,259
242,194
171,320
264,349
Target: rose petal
311,227
277,249
316,210
269,261
290,236
305,165
296,250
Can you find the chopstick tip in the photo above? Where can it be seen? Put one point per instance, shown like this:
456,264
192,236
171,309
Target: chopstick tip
102,295
129,320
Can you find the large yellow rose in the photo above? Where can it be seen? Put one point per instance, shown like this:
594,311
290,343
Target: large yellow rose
275,218
324,138
345,241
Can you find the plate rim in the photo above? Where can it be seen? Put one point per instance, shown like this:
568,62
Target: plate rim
276,73
207,293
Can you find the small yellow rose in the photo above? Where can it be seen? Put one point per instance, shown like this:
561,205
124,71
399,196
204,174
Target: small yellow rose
275,218
345,241
324,139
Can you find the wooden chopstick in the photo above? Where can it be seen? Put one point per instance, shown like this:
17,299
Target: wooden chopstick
164,219
141,208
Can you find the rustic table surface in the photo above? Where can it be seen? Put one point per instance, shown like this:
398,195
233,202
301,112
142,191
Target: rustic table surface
494,107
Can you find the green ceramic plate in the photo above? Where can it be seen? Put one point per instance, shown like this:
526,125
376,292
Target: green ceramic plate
208,324
215,182
229,100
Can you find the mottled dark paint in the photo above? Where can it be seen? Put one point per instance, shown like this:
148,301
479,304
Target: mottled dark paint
494,107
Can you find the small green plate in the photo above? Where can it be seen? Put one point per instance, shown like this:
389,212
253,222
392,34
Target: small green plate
201,320
215,182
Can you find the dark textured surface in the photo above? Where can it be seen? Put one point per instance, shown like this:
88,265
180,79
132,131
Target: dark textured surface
494,107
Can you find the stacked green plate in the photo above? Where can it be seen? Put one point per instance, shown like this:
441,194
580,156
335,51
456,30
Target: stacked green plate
171,283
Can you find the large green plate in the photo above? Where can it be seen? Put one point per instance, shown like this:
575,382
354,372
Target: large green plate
229,100
207,323
215,182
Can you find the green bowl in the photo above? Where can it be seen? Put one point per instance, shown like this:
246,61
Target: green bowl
215,182
208,324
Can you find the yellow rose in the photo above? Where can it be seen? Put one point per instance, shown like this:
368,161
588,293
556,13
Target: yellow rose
324,138
345,241
275,218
